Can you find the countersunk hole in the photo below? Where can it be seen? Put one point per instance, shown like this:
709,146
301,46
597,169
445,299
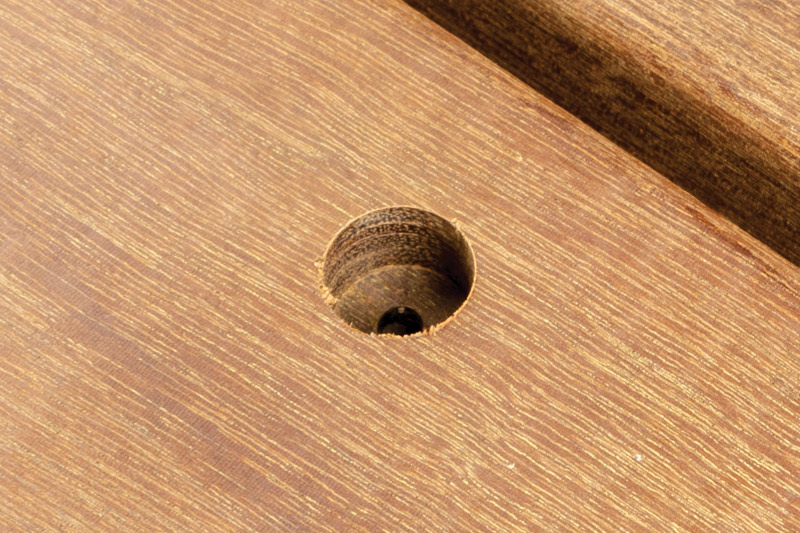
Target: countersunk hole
398,270
400,321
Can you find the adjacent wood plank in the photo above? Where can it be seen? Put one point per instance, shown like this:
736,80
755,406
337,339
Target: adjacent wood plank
171,171
704,92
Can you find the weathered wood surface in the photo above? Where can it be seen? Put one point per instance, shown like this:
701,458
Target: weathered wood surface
171,171
707,93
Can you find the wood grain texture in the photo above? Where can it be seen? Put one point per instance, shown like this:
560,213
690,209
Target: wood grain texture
704,92
171,171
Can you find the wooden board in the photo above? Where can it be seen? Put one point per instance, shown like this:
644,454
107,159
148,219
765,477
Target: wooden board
171,172
704,92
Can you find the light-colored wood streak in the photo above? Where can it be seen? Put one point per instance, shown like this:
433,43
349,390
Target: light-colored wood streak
704,92
171,171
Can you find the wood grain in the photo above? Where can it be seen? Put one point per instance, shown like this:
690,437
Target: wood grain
171,172
704,92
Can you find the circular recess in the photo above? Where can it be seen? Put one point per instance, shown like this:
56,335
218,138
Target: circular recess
398,271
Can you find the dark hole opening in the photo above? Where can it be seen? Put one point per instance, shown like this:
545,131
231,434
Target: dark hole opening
400,321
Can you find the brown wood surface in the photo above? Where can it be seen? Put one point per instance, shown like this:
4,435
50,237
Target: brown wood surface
170,172
707,93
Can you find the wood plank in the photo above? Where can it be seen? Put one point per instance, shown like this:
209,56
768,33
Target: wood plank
172,171
704,92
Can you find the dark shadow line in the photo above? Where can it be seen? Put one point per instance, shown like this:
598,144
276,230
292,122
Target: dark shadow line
722,161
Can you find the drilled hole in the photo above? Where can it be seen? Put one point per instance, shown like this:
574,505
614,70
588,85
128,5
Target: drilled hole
398,270
400,321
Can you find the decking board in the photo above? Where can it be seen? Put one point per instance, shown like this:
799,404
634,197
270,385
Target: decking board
171,173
